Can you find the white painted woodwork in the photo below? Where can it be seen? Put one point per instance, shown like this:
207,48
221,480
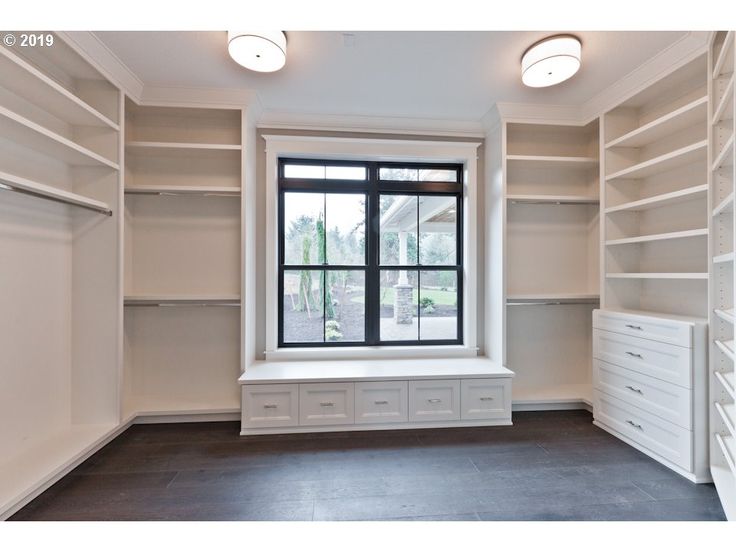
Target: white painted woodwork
271,405
434,400
378,402
483,399
326,404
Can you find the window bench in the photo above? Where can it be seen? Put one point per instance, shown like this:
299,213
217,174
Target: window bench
354,395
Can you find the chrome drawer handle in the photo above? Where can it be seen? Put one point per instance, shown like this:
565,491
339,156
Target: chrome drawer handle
635,355
635,390
634,327
434,400
327,404
380,402
270,406
637,426
486,398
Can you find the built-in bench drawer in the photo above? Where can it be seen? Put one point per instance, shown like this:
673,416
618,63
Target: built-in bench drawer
485,399
326,403
657,435
270,405
658,329
434,400
661,398
651,358
378,402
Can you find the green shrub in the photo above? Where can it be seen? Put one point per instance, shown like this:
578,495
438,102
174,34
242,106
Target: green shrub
332,330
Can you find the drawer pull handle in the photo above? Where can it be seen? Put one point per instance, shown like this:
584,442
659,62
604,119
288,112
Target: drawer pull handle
637,426
270,406
327,404
633,327
486,398
434,400
634,389
635,355
380,402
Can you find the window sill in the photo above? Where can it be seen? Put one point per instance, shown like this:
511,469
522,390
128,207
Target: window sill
367,353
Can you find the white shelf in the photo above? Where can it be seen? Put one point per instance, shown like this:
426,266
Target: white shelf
726,48
725,156
662,200
180,149
726,379
659,275
725,206
727,411
184,190
30,83
663,163
725,105
581,392
699,232
552,199
553,161
36,189
552,296
181,300
33,136
725,314
166,406
728,447
666,125
725,258
33,468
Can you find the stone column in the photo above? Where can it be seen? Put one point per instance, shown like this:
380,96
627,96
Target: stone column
404,309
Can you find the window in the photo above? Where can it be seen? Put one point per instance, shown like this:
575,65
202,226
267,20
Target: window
369,253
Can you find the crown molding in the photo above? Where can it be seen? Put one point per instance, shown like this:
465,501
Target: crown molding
96,52
369,124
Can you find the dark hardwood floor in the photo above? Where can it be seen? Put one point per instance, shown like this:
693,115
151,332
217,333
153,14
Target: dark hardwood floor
548,466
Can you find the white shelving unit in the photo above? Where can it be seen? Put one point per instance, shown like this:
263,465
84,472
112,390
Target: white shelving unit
182,260
60,214
551,232
722,395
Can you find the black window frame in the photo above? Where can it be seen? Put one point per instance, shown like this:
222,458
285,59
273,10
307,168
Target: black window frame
372,188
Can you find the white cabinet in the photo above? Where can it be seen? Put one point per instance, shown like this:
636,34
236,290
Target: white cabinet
378,402
485,399
647,327
326,403
270,405
434,400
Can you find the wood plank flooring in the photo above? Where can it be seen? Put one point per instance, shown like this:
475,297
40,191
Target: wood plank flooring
547,466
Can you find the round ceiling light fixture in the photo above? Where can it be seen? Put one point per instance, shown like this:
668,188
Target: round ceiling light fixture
263,51
551,61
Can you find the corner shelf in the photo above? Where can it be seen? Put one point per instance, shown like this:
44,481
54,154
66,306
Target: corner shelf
33,136
29,187
674,121
553,161
184,190
699,232
663,163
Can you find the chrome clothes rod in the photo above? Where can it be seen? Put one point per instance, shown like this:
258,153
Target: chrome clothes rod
530,303
10,187
182,193
210,304
561,202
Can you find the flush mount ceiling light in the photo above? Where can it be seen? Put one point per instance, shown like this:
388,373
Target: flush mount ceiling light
551,61
263,51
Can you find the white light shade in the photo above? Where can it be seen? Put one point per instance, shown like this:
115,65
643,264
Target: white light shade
551,61
263,51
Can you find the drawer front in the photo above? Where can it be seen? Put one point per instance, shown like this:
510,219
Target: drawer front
270,405
485,399
651,358
434,400
661,398
378,402
658,329
326,403
661,437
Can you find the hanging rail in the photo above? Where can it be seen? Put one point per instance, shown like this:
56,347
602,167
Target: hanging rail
27,187
530,303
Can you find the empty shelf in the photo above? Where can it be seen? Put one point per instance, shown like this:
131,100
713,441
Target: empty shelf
181,300
699,232
725,206
181,149
552,199
35,137
29,187
725,258
662,200
553,161
725,51
666,125
725,156
727,411
184,190
724,110
726,379
664,163
659,275
728,447
725,314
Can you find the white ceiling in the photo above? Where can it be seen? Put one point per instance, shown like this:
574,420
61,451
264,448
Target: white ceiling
438,75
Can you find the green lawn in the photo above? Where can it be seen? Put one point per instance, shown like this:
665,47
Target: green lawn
440,297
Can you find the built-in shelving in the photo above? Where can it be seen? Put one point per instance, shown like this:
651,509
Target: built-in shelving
725,206
720,66
552,297
662,200
663,163
725,314
553,161
726,379
726,347
724,109
724,258
727,411
698,232
553,199
181,300
659,275
725,155
184,190
728,446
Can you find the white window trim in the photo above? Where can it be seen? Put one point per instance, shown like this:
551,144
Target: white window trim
371,149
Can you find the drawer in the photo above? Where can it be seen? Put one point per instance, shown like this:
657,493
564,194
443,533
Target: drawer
326,403
653,433
434,400
658,329
270,405
666,400
651,358
378,402
485,399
